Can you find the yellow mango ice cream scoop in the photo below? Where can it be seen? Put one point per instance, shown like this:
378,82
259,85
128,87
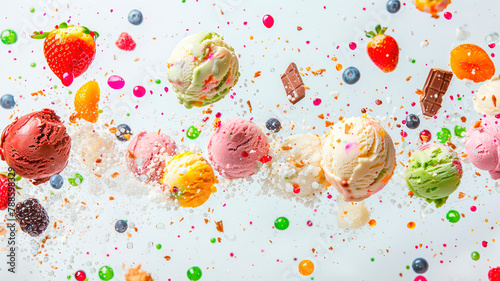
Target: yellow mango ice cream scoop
190,179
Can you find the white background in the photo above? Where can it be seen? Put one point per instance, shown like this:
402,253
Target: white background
261,252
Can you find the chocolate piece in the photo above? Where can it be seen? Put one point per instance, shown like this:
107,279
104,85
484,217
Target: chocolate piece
434,89
294,86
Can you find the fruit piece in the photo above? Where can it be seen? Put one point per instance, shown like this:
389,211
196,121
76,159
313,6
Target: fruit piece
31,216
432,6
494,274
68,49
412,121
7,101
125,42
123,132
273,124
135,17
420,265
470,62
351,75
121,226
56,181
86,101
393,6
382,49
5,192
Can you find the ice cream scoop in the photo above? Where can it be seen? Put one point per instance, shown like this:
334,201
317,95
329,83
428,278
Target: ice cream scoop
487,98
358,157
352,215
36,145
483,146
434,172
202,69
190,179
236,147
146,153
297,164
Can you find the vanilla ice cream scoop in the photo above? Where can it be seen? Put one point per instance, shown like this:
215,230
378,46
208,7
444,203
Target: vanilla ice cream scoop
487,98
358,158
298,164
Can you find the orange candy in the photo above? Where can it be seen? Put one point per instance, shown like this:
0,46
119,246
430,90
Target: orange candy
86,101
306,267
470,62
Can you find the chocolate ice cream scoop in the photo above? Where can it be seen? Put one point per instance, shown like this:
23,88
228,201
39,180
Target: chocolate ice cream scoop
36,145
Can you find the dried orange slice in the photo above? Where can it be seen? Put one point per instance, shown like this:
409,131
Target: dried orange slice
469,61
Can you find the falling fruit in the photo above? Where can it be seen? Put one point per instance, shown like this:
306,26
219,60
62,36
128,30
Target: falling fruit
86,101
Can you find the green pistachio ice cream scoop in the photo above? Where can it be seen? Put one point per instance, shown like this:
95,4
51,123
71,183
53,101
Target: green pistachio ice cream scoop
434,173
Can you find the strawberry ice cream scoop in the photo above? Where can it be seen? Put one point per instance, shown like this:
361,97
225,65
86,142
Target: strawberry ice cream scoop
147,155
36,145
236,148
483,145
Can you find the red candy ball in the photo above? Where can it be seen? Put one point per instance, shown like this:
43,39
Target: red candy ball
425,136
80,275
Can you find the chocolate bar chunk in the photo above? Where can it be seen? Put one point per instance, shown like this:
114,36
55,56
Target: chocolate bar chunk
434,89
294,86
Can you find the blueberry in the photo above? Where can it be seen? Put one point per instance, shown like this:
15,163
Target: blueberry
412,121
393,6
273,124
420,266
56,181
135,17
351,75
123,132
121,226
7,101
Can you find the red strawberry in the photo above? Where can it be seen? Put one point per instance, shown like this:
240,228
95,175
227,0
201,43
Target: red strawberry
125,42
383,49
5,192
69,50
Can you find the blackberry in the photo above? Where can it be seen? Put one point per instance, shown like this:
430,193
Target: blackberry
32,217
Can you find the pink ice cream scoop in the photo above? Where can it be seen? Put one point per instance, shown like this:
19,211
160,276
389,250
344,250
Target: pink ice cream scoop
145,155
483,145
236,148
